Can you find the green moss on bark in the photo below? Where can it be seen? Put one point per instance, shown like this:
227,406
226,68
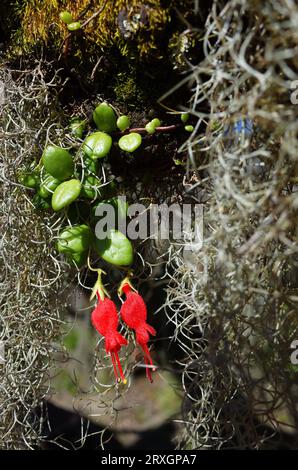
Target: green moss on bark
135,28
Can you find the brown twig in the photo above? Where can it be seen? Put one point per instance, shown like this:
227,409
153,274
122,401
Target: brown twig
142,130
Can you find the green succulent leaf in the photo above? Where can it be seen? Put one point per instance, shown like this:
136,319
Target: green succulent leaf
88,187
74,26
74,240
66,17
58,162
184,117
123,123
105,118
48,185
130,142
115,249
97,145
65,194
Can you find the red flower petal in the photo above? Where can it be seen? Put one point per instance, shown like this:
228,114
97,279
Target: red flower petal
104,318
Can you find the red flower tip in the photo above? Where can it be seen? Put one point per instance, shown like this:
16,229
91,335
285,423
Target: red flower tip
142,338
113,343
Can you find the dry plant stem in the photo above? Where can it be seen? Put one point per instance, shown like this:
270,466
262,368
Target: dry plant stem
142,130
162,129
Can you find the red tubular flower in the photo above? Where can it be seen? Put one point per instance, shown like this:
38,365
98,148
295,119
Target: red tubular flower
104,318
134,314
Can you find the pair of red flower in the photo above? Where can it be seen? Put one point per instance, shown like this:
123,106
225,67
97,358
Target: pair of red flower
133,312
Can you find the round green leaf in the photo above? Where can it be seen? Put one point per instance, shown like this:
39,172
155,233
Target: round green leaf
123,123
155,122
65,194
150,128
189,128
48,185
130,142
116,249
119,205
75,239
66,17
105,118
97,145
184,117
57,162
74,26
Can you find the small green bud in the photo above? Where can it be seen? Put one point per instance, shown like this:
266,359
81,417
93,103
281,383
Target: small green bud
123,123
130,142
184,117
30,180
155,122
150,128
66,17
189,128
74,26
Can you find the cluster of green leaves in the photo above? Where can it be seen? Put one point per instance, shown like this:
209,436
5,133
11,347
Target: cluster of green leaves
67,18
63,177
